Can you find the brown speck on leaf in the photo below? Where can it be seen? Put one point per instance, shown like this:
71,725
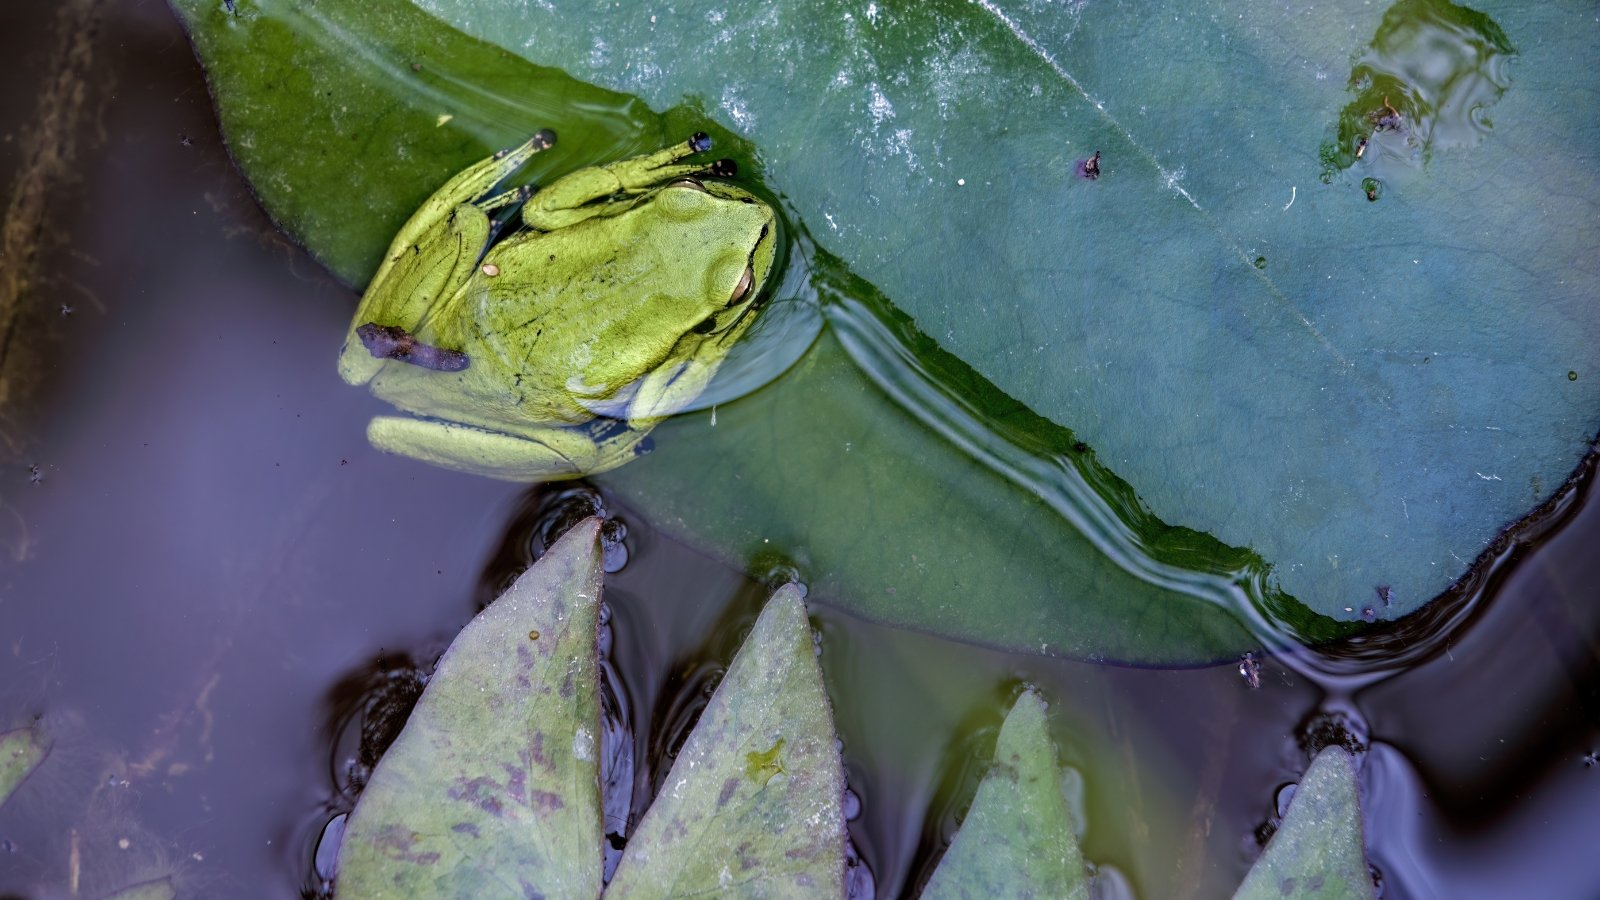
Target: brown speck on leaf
728,787
533,635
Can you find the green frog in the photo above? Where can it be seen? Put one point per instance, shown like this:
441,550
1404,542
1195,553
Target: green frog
552,353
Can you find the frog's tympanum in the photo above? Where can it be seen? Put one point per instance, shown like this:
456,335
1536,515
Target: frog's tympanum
552,353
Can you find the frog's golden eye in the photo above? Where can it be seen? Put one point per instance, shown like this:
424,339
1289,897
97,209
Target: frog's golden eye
743,287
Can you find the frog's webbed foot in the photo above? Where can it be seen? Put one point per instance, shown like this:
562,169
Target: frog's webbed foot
566,200
551,453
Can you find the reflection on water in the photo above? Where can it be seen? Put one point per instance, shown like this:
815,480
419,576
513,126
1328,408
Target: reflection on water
1424,84
1047,461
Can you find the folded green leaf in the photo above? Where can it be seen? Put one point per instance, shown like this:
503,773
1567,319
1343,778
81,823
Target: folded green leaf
1018,839
492,789
21,751
1317,852
752,806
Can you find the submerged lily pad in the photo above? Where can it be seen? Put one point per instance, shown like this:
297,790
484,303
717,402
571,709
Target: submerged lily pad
1018,839
1317,852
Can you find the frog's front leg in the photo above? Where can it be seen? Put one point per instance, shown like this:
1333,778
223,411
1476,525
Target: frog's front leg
547,453
567,200
434,252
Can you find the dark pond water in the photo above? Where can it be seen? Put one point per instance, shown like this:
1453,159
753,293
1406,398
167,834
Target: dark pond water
208,583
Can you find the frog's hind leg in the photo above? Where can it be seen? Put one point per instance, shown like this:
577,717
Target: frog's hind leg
565,200
468,185
552,453
434,252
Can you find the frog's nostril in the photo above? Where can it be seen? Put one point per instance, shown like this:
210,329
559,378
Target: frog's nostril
700,142
706,325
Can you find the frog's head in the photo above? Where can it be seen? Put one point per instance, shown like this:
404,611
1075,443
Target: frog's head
717,246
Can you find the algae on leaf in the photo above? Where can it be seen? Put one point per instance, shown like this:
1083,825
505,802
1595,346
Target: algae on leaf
493,787
753,804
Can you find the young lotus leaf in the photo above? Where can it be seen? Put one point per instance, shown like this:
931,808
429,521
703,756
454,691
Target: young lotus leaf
1018,839
753,804
492,789
21,751
1317,852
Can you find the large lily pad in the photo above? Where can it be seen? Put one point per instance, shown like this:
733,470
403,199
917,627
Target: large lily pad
1364,393
1329,382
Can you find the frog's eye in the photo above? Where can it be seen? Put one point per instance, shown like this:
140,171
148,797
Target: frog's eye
743,287
689,183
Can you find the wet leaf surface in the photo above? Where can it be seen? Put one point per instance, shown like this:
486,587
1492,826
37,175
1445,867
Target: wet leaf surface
1317,851
752,804
1315,398
492,788
1018,839
1370,408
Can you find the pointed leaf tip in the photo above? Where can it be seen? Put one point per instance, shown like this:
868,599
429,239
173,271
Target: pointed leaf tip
1019,838
1317,852
753,804
492,788
21,751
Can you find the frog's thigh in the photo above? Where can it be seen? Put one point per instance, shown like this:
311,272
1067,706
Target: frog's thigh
551,454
